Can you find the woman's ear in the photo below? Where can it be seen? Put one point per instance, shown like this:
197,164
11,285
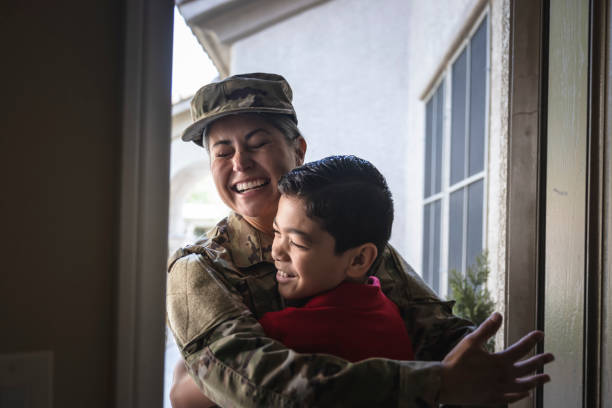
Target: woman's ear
300,150
362,257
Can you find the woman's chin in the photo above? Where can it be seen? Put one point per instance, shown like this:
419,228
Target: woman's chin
257,208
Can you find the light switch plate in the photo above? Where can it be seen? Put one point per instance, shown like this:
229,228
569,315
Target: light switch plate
26,380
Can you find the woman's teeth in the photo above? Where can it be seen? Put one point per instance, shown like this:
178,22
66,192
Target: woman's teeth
249,185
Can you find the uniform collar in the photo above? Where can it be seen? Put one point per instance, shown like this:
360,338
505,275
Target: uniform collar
247,245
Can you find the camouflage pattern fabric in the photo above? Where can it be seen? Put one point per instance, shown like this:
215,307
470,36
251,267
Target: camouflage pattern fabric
219,287
244,93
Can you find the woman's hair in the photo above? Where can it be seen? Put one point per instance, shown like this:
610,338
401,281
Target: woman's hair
349,198
284,123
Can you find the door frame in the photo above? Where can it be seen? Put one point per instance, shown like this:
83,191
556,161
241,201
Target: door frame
143,208
526,171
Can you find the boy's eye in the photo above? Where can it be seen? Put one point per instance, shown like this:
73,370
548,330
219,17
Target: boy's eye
298,245
276,232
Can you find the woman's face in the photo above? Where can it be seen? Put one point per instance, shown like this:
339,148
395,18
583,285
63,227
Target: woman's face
248,156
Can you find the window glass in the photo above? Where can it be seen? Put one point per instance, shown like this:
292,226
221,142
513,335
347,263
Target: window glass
439,127
474,221
455,231
458,111
426,241
432,216
428,146
458,183
435,281
478,84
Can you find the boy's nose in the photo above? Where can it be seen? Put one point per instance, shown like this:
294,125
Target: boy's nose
278,252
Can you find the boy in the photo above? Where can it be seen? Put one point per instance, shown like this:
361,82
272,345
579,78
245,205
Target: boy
334,218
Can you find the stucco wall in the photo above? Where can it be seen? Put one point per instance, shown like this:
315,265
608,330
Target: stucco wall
357,69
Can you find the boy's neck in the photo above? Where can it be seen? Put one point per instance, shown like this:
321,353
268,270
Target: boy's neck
361,279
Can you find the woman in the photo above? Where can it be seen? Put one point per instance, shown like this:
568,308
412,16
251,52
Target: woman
219,287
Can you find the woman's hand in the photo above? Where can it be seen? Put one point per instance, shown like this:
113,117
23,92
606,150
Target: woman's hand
471,375
184,392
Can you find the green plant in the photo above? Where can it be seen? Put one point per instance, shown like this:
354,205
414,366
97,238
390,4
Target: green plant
470,292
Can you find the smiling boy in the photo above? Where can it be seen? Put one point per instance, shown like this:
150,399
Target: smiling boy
334,218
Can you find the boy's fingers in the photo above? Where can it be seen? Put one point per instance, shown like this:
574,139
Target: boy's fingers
532,364
529,383
520,349
487,329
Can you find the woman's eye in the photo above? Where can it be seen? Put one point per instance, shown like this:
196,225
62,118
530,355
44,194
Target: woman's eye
258,145
222,154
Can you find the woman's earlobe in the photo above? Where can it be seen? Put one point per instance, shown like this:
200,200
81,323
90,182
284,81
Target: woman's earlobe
300,151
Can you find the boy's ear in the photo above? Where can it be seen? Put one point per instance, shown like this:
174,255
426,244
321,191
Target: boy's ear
362,258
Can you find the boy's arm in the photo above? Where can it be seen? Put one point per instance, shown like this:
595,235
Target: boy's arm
184,393
433,329
229,357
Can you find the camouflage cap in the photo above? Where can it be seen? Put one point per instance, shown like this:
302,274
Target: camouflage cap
245,93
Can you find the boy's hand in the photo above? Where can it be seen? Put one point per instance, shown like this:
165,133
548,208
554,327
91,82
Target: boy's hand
471,375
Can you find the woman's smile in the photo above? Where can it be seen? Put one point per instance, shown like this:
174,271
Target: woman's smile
244,186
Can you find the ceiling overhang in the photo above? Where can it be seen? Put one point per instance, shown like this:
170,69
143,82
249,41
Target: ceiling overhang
217,24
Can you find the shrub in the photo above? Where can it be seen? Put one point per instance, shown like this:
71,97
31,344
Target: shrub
470,292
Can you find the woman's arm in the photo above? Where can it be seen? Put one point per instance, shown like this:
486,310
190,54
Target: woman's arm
433,328
230,358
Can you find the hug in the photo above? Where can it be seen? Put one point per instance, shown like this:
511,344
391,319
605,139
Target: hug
296,298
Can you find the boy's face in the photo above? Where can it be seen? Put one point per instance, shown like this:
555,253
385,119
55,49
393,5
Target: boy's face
304,253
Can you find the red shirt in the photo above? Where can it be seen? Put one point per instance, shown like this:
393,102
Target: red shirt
353,321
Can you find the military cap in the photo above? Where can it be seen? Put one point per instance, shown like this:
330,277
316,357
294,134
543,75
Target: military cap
244,93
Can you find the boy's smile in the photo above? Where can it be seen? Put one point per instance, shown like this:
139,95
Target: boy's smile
304,253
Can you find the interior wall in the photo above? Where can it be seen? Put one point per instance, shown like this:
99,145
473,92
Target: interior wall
60,144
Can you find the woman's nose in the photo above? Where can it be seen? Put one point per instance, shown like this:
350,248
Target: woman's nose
242,160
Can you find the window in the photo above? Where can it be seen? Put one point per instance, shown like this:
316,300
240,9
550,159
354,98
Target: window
455,154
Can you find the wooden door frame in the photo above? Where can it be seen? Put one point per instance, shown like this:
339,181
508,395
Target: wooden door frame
143,210
526,186
606,236
526,170
598,202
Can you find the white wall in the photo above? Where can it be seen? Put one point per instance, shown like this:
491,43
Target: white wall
357,68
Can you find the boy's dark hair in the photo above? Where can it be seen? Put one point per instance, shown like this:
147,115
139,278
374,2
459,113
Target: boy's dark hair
348,196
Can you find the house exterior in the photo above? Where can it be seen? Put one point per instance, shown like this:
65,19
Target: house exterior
364,82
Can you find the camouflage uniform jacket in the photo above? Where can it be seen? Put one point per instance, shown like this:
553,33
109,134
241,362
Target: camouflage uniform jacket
219,287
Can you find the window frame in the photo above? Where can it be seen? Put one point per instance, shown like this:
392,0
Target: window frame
445,77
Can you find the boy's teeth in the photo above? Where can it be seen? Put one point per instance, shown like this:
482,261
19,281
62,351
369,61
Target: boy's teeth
249,185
